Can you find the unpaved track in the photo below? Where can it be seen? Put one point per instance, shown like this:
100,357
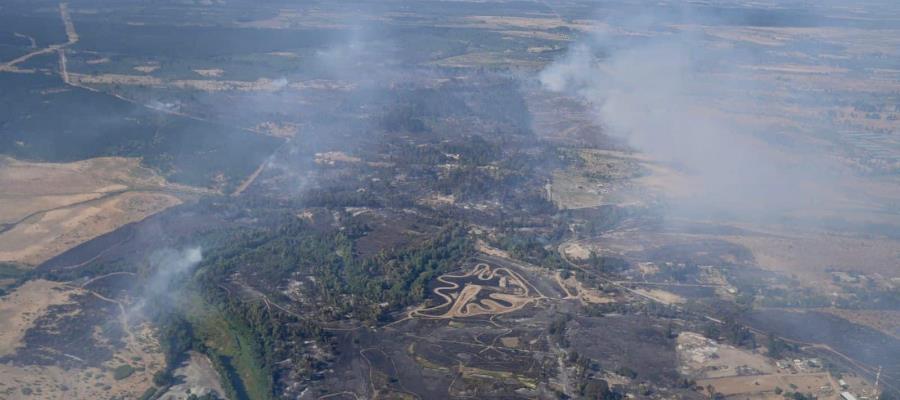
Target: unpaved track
123,314
71,35
462,305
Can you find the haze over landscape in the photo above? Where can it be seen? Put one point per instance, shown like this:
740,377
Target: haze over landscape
447,199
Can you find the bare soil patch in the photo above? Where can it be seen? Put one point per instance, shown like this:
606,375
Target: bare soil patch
810,256
196,376
662,296
146,68
210,73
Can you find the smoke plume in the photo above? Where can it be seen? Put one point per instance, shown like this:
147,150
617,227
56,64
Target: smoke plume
168,270
660,89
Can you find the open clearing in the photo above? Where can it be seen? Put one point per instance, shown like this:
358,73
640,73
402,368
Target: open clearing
613,177
49,208
702,357
764,386
575,289
738,372
810,256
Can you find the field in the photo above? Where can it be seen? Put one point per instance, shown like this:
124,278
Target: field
764,387
813,256
736,372
52,207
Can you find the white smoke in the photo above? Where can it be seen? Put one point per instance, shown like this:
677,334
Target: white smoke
168,269
660,96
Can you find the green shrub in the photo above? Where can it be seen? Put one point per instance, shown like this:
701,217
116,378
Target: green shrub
122,372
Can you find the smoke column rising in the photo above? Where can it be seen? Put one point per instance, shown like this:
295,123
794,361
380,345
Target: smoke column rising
168,270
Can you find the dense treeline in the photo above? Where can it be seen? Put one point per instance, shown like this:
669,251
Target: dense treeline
344,282
246,337
264,335
400,278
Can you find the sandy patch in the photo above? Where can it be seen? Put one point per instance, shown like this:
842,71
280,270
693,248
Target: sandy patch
662,296
571,190
147,68
210,73
333,157
576,251
438,200
207,85
284,130
491,251
734,371
97,61
575,289
510,341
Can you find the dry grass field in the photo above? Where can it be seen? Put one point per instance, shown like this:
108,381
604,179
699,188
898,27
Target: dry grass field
809,256
49,208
